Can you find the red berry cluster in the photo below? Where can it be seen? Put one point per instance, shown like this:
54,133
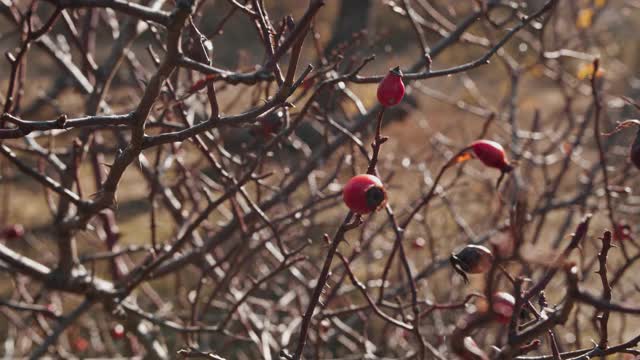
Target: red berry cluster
365,193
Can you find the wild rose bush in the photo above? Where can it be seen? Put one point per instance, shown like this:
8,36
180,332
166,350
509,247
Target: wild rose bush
172,176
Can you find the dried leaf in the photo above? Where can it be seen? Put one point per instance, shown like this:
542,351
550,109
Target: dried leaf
585,19
462,158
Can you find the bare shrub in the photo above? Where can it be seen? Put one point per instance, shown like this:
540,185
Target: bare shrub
184,196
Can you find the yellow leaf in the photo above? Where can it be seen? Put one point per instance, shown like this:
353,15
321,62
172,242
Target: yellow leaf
537,71
586,70
600,3
585,18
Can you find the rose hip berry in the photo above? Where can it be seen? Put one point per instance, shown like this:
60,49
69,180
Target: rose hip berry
503,306
364,194
12,232
622,231
391,88
268,126
472,259
117,331
491,154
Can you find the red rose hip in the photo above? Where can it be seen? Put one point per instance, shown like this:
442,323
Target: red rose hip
491,154
117,332
364,194
12,232
80,344
503,306
391,88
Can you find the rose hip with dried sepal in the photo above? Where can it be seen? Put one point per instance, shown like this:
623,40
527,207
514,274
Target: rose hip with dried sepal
364,194
472,259
391,88
491,154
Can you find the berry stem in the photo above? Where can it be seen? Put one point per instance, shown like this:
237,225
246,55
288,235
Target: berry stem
378,140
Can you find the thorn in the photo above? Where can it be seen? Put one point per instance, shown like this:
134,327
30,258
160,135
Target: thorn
61,121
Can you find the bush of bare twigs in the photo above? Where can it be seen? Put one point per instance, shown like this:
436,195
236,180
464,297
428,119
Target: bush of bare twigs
171,179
